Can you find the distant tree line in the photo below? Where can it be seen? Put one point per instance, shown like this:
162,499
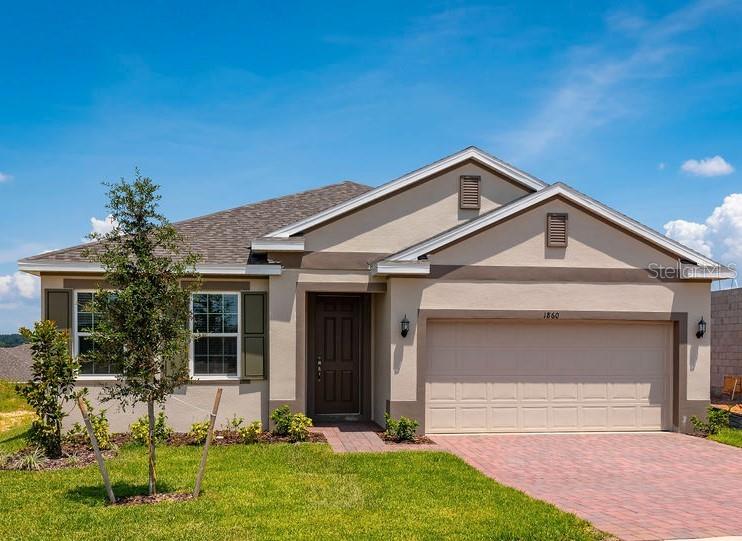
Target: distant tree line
11,340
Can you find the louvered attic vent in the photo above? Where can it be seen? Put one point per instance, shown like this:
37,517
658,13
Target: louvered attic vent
556,230
469,197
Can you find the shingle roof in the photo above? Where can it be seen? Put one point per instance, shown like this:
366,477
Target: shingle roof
224,237
15,363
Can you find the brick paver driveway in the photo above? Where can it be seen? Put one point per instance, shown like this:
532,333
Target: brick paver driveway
634,486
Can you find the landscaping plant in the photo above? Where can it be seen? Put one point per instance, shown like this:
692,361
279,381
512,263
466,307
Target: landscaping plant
251,433
716,419
281,418
402,429
299,427
140,432
101,428
234,424
52,383
142,323
199,432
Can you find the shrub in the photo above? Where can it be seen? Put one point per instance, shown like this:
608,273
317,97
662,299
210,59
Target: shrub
199,432
402,429
234,424
101,428
251,433
140,429
716,420
281,418
52,383
32,460
299,427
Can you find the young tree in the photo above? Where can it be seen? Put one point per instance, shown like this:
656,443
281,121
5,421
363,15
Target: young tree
142,322
52,383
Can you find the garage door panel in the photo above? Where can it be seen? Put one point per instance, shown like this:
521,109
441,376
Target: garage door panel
523,376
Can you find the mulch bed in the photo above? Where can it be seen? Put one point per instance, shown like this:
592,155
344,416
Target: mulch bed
78,453
231,437
157,498
418,440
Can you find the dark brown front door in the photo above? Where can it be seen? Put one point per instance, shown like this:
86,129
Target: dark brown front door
337,352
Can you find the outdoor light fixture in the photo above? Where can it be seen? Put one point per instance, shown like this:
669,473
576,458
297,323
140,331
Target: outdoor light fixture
701,328
405,326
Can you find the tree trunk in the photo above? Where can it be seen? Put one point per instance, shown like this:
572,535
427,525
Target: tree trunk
152,458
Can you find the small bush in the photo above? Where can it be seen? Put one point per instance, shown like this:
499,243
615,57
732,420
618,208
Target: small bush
281,418
31,461
716,420
140,429
251,433
199,432
402,429
234,424
101,428
299,427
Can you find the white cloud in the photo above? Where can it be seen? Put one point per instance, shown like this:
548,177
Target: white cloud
18,284
661,166
708,167
720,236
106,225
5,176
595,86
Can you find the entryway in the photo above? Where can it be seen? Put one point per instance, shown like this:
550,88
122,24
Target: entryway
338,356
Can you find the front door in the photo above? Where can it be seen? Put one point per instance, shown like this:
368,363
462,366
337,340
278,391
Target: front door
337,354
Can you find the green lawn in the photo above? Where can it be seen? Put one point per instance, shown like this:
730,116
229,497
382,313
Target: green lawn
282,492
730,436
9,400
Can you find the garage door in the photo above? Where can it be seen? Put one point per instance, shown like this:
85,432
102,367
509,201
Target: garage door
511,376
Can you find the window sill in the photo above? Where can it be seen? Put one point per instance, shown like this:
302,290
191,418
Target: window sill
97,377
216,377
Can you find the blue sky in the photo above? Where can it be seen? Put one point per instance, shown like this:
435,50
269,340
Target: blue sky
242,101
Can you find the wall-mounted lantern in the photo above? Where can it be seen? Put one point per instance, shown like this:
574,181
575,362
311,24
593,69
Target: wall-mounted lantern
404,326
701,328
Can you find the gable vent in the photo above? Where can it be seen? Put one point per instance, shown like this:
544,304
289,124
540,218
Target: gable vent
556,230
469,196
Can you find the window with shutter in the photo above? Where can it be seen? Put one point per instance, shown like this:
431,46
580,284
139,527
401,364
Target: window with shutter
556,230
469,192
254,334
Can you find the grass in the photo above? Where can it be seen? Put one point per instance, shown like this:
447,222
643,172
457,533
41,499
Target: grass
14,412
730,436
282,492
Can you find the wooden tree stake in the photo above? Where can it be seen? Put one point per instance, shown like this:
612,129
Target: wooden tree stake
212,420
96,449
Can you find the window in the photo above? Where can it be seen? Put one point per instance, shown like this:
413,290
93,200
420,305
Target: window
469,196
85,321
556,230
216,326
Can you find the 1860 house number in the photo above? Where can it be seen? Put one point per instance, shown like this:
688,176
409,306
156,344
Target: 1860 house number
551,315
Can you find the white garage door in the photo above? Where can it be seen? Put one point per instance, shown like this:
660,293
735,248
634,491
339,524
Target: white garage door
550,376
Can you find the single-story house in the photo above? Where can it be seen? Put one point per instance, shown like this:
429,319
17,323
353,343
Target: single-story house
467,294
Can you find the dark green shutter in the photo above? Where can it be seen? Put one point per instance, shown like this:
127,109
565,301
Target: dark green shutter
254,343
58,308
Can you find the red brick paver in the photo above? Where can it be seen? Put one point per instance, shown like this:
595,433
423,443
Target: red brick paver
361,437
634,486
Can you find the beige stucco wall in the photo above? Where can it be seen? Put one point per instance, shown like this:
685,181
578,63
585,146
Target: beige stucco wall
380,362
407,294
412,215
521,242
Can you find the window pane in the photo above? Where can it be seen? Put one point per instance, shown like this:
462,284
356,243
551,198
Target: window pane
84,322
201,365
85,345
215,304
230,365
230,346
215,365
199,323
201,347
86,367
200,304
215,323
83,300
230,304
230,323
216,346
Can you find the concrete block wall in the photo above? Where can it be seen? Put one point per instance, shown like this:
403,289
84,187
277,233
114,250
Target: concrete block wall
726,336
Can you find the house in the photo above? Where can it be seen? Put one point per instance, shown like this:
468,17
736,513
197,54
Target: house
726,338
467,294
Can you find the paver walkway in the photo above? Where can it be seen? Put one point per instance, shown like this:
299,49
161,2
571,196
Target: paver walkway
635,486
362,437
